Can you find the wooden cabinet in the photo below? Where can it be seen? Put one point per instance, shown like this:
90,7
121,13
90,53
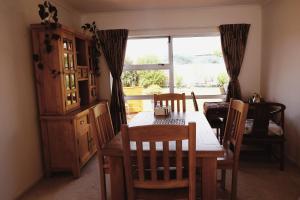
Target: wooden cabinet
66,89
67,141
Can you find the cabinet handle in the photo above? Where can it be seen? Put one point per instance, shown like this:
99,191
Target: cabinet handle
81,122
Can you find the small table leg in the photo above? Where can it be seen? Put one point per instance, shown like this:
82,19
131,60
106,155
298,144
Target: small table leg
209,178
117,181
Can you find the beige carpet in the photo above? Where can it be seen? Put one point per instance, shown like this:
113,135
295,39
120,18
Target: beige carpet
257,180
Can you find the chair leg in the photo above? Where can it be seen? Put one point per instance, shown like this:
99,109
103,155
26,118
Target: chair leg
221,133
218,133
223,178
102,181
282,156
234,184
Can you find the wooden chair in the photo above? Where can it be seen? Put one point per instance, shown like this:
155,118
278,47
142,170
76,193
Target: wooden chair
233,135
195,101
154,180
265,127
216,123
103,132
171,99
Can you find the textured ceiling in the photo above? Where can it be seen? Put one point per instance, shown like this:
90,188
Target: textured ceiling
118,5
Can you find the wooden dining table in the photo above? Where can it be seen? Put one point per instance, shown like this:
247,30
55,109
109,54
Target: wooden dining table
208,149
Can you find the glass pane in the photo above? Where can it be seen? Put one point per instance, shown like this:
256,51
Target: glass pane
66,61
69,99
145,82
67,80
73,85
71,61
147,51
65,44
70,45
135,106
74,97
199,66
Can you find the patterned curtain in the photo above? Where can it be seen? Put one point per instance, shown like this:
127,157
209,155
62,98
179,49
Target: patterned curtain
234,40
113,43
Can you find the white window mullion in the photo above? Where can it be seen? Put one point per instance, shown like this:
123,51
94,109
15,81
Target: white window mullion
171,71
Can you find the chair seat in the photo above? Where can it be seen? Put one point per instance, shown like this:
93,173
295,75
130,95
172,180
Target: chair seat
274,129
161,194
226,161
216,123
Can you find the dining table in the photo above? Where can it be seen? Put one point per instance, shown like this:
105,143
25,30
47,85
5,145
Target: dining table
208,149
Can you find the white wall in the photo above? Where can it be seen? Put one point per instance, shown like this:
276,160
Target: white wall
20,148
194,20
281,65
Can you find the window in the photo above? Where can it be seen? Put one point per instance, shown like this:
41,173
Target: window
198,65
173,64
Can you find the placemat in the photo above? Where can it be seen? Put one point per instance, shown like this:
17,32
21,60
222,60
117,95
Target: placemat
169,121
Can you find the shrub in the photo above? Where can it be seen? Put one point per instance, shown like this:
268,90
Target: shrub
130,78
152,77
222,79
153,89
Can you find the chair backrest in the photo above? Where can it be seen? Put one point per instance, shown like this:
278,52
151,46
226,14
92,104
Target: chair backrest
235,126
103,131
171,99
261,113
195,101
101,120
159,145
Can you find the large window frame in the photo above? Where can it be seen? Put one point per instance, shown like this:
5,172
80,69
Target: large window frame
169,66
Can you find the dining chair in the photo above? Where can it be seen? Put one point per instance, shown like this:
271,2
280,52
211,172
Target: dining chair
170,99
159,145
233,136
216,123
195,101
103,131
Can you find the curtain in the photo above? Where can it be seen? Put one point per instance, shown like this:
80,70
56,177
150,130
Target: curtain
234,40
113,44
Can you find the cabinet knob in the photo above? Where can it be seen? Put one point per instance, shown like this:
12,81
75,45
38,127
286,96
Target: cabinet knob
81,122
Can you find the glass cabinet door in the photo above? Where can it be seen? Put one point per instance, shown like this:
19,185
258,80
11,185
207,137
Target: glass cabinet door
68,55
71,90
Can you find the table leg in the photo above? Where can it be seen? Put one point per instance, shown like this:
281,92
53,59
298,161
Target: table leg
117,181
209,178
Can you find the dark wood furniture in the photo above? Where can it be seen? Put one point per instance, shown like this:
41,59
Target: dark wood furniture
214,121
208,149
66,89
102,127
154,180
171,99
234,131
266,127
264,116
195,101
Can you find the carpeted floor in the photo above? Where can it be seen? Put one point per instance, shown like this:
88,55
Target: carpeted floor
257,180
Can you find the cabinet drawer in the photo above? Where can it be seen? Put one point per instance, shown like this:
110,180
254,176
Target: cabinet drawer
82,123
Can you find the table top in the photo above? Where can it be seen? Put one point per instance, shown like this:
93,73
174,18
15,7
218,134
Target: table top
207,145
